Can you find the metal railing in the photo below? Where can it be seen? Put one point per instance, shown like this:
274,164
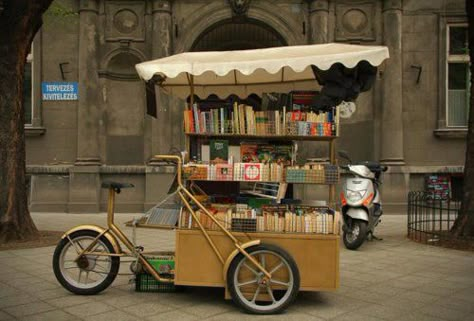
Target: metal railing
431,217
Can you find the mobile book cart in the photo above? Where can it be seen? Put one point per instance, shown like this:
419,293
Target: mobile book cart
263,268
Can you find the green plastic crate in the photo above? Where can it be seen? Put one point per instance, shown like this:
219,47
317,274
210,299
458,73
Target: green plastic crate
164,265
145,282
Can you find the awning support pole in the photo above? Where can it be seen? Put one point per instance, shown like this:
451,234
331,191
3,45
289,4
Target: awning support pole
191,87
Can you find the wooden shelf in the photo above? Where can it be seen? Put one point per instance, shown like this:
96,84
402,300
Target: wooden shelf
233,181
264,137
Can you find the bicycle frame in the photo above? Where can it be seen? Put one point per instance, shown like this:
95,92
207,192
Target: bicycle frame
185,195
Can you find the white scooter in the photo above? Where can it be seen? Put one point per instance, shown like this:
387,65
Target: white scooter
360,201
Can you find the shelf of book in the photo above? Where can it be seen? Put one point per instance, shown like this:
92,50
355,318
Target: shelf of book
265,137
269,218
325,174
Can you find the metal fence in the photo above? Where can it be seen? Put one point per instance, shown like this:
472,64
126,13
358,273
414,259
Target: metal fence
430,217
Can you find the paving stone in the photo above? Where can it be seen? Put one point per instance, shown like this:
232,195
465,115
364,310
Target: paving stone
115,315
456,303
417,316
26,282
208,309
5,316
88,309
177,315
357,316
122,301
6,290
147,309
383,311
54,293
17,300
416,296
445,313
28,309
326,310
405,304
435,290
55,315
70,300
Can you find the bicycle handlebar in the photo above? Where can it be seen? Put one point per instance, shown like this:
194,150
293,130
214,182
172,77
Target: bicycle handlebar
178,164
168,157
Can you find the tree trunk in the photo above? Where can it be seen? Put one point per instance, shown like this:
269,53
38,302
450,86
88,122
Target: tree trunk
464,224
19,22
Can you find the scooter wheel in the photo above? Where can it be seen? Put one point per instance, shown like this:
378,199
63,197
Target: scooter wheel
356,235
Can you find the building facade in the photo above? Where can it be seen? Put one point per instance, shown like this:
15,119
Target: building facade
414,119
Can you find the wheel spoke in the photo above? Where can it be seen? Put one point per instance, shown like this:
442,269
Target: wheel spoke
73,244
87,276
248,267
257,292
270,292
79,278
247,283
262,260
276,267
104,270
80,245
287,284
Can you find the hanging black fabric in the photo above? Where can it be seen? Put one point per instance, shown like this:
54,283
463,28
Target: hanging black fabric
340,83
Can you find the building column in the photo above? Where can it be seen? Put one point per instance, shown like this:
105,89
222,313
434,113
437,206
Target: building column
396,181
318,21
392,117
161,47
88,114
84,178
159,178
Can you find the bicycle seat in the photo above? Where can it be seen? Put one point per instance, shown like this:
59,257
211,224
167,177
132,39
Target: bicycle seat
116,185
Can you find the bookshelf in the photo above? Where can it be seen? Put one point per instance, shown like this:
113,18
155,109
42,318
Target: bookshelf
272,122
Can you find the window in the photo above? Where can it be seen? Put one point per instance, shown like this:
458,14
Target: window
31,94
28,90
458,76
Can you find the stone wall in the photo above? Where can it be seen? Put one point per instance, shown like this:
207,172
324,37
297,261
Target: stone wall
106,134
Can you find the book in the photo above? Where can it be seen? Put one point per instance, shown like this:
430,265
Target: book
224,172
248,152
252,172
218,151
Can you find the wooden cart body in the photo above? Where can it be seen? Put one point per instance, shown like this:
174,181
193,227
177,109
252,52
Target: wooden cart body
316,255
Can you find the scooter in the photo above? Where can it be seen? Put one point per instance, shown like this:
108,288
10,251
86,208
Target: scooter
360,201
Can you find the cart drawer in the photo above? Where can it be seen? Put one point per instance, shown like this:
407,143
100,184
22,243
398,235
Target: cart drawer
317,257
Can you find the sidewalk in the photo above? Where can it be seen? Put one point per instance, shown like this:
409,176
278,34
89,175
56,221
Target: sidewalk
392,279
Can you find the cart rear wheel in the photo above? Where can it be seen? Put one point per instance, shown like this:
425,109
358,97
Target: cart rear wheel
250,290
90,274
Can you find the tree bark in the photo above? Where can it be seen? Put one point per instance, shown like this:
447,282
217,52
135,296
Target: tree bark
19,22
464,224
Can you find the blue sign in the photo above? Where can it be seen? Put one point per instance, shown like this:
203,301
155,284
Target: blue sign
59,90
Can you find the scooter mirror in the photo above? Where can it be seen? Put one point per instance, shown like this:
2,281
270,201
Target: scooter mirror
343,154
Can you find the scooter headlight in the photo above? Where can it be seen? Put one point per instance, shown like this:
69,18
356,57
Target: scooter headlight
355,196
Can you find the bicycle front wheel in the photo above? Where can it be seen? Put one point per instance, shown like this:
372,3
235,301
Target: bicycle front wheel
90,274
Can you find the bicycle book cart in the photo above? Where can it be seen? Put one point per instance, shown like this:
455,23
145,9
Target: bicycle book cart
261,260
